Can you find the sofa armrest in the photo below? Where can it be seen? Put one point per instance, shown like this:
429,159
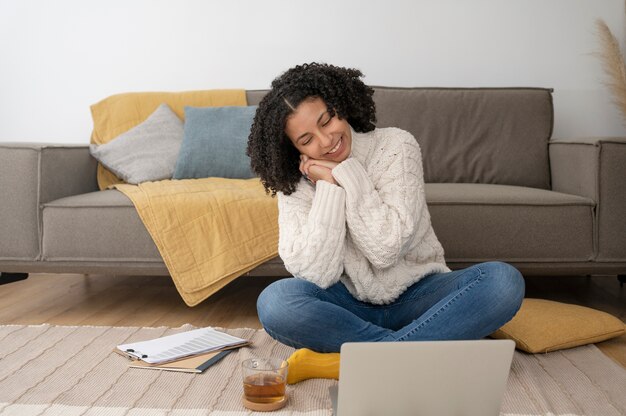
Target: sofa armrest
596,168
32,174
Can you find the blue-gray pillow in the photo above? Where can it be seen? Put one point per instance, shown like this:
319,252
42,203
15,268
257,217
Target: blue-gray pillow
214,143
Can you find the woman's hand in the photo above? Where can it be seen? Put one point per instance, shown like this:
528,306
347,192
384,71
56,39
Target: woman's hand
315,169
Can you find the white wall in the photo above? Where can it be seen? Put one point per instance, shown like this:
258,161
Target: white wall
58,57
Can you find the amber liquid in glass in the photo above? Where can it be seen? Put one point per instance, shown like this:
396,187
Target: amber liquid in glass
264,388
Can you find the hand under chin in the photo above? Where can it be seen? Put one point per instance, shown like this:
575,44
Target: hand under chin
319,172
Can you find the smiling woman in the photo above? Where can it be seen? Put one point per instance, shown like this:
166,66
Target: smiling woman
310,110
323,135
355,231
324,143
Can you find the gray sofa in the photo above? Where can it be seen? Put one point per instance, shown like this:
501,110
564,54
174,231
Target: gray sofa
498,188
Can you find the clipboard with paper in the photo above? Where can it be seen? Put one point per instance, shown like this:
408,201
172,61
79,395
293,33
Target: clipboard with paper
177,346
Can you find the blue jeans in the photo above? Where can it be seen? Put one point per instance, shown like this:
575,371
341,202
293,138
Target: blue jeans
463,304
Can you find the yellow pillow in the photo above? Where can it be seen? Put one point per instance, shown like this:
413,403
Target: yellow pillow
121,112
544,325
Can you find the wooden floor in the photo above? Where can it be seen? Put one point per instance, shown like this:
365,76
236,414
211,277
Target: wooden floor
71,299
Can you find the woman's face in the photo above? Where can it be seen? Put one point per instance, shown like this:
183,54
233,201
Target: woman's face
318,134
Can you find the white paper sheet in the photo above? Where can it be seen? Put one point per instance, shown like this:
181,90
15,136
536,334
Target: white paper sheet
176,346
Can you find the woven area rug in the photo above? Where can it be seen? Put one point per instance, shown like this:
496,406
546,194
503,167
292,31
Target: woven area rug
64,370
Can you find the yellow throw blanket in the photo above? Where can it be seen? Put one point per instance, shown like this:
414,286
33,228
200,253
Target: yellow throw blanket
208,231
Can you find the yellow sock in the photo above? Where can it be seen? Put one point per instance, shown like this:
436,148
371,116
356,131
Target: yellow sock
305,363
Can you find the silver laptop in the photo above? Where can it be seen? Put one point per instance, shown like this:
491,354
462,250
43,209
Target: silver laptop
422,378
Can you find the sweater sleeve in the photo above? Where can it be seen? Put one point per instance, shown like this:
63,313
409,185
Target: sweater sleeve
312,230
383,218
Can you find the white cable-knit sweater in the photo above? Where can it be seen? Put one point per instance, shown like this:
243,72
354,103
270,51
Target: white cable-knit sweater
372,232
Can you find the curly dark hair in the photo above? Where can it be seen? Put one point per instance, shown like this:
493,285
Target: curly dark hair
273,156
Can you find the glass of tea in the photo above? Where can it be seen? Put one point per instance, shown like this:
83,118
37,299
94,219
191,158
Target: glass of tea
264,381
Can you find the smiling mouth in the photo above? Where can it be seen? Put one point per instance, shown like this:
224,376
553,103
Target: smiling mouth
337,146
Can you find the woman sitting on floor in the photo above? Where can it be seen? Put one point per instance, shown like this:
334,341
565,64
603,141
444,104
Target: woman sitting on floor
355,230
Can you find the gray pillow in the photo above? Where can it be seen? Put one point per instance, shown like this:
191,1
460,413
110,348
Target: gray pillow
215,143
147,152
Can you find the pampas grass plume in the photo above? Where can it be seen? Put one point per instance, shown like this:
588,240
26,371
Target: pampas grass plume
613,63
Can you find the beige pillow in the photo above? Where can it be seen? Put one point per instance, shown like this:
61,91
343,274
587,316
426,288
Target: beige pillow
147,152
544,325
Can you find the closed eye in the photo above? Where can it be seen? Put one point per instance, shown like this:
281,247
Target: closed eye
324,122
327,120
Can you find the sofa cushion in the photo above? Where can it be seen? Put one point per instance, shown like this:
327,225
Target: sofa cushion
482,222
474,222
475,135
214,143
471,135
97,226
147,152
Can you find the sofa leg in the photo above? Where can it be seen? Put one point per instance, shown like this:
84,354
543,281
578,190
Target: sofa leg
622,279
12,277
